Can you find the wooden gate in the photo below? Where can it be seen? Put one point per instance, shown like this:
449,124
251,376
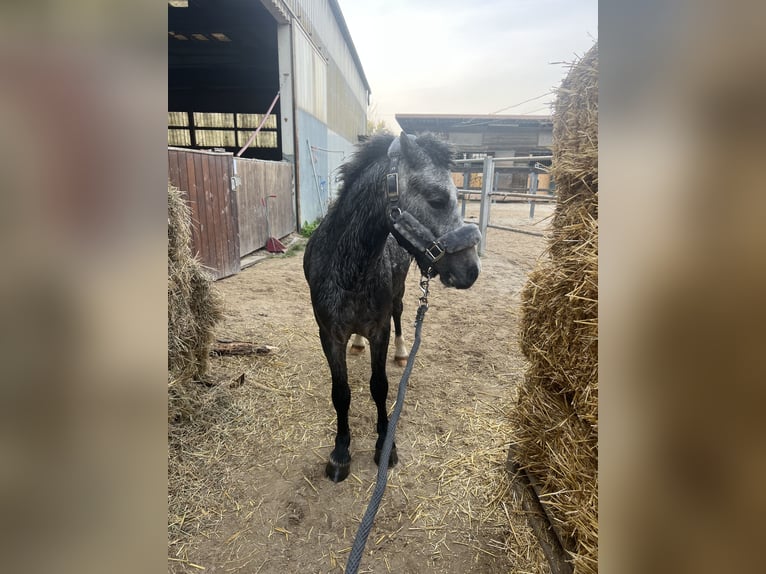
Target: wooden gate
261,185
205,179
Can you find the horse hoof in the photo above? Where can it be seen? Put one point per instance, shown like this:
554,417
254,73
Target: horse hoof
392,459
401,361
356,350
337,472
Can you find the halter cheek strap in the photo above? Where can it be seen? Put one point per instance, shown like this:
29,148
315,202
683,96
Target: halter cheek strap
392,177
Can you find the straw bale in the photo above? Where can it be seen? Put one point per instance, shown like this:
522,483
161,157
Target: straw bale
559,452
194,308
559,328
556,419
575,131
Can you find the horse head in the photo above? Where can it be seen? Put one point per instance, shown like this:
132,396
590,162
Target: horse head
424,213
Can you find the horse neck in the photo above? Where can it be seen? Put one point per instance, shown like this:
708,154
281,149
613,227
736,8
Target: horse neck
361,222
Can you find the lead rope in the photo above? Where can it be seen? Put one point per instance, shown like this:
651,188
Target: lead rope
352,565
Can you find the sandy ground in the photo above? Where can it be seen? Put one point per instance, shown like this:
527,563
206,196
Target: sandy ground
247,491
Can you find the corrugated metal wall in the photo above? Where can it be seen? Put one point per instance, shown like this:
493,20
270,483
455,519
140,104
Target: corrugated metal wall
344,113
318,18
328,82
311,77
521,137
331,103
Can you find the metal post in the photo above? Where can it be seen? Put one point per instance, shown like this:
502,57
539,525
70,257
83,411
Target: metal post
532,191
316,177
466,183
487,178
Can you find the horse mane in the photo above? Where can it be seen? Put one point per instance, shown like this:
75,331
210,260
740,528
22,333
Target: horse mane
369,152
438,150
373,153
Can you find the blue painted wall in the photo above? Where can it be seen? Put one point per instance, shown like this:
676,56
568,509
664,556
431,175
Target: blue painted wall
317,184
313,189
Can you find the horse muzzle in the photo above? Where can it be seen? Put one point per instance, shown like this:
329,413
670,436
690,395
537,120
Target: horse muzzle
459,270
453,255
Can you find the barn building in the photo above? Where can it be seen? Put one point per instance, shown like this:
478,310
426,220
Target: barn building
228,60
479,135
475,136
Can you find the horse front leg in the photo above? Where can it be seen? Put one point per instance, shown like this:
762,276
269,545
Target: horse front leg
401,353
379,391
338,466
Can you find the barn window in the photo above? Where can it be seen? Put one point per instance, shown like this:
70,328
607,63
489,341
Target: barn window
179,138
254,120
263,139
215,138
176,119
221,129
213,120
178,129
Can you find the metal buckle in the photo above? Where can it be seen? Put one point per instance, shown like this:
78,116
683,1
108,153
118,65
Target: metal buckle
392,187
440,252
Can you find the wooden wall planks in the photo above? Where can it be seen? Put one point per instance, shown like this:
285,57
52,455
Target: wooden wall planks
258,181
229,224
205,177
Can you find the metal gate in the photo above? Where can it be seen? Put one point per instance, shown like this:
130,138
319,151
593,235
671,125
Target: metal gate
489,191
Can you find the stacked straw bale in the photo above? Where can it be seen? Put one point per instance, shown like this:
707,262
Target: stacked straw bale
194,308
556,419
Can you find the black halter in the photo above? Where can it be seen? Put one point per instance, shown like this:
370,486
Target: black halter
415,237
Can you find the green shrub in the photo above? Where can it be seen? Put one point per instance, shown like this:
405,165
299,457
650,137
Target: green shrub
295,248
308,228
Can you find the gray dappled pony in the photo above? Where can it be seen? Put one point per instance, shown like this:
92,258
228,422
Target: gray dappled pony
356,270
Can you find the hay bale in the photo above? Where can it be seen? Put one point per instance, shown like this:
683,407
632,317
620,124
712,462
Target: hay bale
559,450
559,327
575,131
575,155
556,419
194,308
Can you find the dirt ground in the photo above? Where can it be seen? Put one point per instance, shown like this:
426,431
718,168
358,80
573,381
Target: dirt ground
247,491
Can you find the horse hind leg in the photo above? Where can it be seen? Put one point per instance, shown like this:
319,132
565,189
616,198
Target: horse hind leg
339,465
357,345
401,353
379,392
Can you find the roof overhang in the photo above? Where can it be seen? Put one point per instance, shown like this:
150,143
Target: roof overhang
452,122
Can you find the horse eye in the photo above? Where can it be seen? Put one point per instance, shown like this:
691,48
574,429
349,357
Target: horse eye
438,202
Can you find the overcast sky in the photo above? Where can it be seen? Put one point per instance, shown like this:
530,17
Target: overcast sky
467,56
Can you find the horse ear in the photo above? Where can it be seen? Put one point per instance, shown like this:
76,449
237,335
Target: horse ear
410,149
404,142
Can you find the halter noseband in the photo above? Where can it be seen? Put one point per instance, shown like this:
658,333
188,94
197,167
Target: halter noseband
412,235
